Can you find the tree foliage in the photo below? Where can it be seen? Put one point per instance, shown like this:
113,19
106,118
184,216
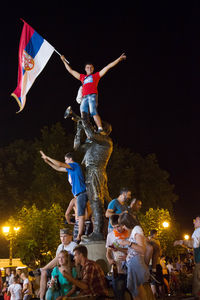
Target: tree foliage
38,238
26,180
143,176
153,219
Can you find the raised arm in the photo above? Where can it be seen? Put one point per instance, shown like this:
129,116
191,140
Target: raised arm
111,65
55,164
69,69
185,243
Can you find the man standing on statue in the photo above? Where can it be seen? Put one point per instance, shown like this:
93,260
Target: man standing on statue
76,179
89,88
97,149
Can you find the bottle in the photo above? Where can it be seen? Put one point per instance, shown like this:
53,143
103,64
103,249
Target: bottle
56,282
114,270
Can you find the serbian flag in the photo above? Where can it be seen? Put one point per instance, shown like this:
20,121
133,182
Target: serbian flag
34,53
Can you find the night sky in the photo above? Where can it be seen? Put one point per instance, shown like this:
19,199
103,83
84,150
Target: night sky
151,99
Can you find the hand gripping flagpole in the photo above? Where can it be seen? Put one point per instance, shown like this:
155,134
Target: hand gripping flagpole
60,55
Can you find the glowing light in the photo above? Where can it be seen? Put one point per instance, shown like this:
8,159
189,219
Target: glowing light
6,229
186,237
165,224
16,229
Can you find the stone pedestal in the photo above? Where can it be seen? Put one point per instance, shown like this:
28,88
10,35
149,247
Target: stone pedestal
97,252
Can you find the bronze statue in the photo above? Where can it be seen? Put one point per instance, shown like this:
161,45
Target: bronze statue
97,150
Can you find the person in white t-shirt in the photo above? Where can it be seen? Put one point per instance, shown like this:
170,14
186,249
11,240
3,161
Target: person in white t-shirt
66,244
137,270
15,289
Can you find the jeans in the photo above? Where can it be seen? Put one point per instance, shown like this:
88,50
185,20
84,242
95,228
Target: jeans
89,104
119,286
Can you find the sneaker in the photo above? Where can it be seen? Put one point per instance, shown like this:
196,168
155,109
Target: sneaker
101,131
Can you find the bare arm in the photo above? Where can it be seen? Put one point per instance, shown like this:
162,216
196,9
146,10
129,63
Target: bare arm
71,292
25,287
184,243
68,211
51,264
109,213
69,69
79,283
55,164
111,65
139,247
109,256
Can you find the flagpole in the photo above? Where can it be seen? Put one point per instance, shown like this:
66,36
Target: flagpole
54,48
60,55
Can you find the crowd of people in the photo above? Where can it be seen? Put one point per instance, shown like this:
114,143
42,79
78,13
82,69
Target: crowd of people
137,266
15,284
138,269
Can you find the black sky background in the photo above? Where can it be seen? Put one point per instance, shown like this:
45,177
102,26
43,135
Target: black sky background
151,99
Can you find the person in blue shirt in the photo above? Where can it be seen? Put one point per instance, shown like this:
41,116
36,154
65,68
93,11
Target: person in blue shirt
76,179
118,205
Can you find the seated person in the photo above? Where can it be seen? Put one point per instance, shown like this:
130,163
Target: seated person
93,280
59,285
116,255
66,244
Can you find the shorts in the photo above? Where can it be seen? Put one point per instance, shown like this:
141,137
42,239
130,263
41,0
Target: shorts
81,203
89,104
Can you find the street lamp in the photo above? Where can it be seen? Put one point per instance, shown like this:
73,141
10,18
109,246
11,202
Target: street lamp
186,237
165,224
10,232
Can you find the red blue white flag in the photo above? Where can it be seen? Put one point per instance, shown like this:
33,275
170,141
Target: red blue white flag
34,53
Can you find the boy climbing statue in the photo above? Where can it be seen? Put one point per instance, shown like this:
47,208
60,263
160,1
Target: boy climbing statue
89,88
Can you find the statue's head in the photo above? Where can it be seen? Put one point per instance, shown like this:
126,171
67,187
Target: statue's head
107,128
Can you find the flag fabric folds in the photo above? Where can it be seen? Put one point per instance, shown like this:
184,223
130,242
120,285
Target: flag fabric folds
34,53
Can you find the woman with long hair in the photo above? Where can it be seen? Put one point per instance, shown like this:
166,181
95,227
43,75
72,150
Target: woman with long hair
137,270
59,285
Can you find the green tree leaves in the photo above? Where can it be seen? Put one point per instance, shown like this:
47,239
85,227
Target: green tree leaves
154,219
38,238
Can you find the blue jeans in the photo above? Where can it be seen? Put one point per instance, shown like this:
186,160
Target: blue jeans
89,104
119,286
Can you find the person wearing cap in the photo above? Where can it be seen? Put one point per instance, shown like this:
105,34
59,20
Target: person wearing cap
66,244
194,243
76,179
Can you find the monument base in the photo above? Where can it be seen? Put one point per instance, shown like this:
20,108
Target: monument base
97,252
